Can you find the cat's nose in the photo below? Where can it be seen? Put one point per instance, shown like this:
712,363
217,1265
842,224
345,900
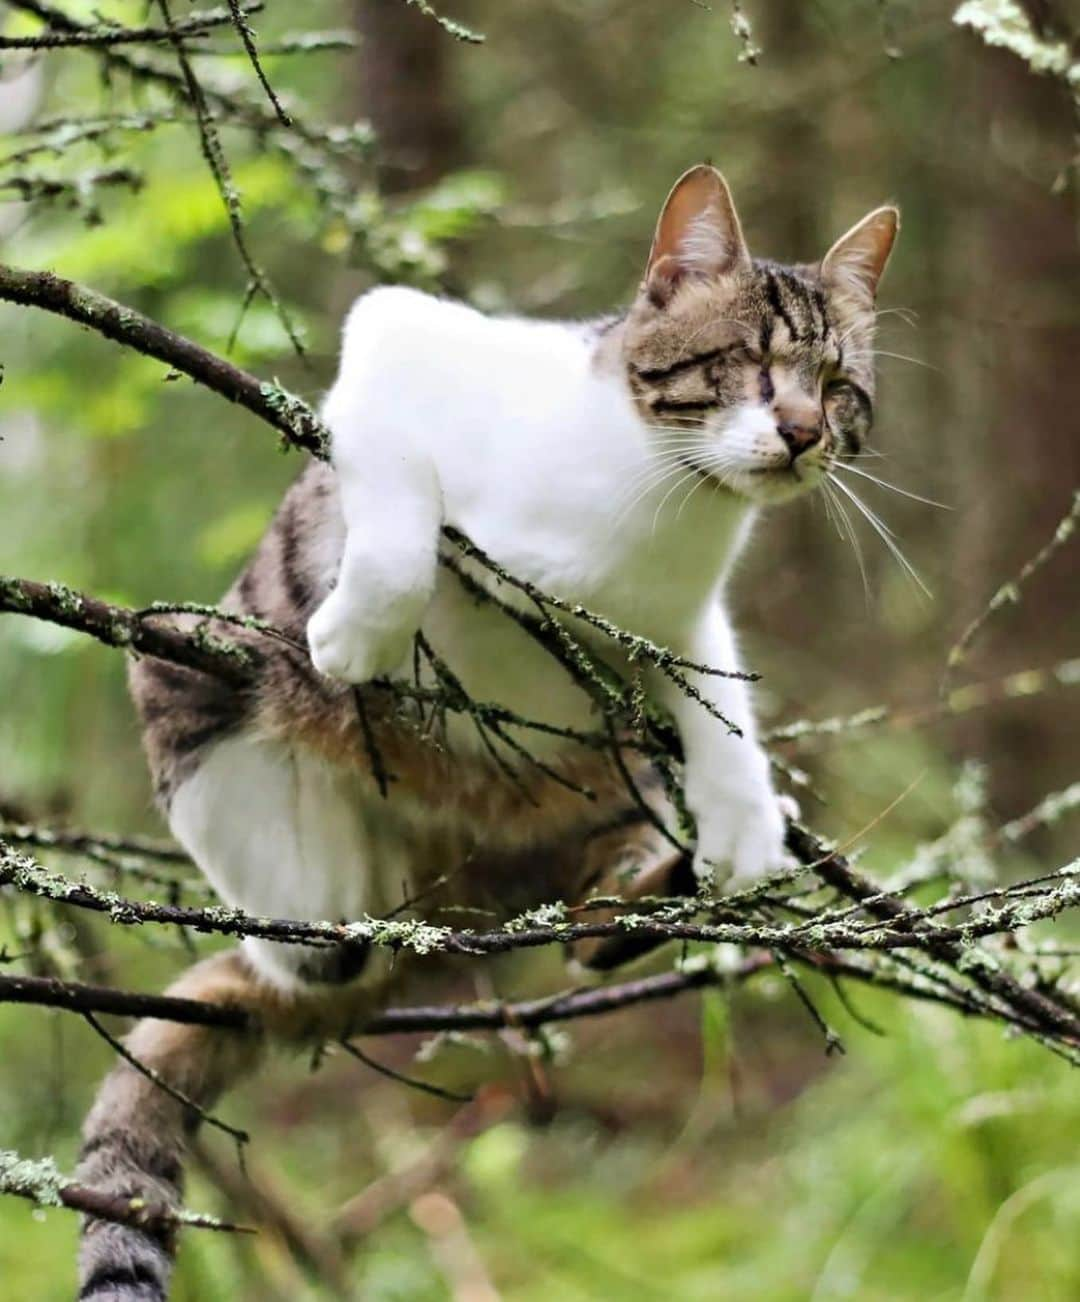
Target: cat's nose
798,438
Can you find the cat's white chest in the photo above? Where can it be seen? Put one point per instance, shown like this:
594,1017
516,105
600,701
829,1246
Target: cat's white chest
498,663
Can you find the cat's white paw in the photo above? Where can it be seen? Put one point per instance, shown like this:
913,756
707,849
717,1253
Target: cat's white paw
346,645
741,842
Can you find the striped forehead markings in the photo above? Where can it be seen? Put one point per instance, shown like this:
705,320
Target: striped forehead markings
661,405
777,304
801,306
653,375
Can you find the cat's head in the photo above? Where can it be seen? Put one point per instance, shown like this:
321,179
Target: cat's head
756,375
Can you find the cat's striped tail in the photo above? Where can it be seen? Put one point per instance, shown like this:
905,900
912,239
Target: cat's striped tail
137,1133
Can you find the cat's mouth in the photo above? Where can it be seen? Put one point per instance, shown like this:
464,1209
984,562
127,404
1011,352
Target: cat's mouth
756,483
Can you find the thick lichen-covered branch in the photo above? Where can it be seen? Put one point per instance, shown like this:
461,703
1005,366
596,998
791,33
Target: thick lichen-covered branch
899,926
287,413
132,630
40,1181
884,927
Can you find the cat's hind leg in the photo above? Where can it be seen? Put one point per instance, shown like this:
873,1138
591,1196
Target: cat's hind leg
137,1135
280,832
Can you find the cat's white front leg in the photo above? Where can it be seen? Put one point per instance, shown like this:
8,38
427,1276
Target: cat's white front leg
392,505
728,785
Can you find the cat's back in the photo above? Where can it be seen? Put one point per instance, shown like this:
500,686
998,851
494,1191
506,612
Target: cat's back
414,353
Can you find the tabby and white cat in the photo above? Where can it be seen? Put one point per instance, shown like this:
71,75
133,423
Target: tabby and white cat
618,464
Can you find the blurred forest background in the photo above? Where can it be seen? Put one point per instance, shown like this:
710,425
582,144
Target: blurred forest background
706,1149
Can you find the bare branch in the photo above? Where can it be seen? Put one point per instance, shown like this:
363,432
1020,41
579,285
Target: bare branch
78,997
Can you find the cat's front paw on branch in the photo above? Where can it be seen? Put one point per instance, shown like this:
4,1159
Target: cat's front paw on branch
740,842
347,643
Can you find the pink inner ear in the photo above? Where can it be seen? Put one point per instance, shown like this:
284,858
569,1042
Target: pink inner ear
698,233
858,258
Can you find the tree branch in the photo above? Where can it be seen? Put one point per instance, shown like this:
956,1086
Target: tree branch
42,1183
119,626
290,415
902,927
945,944
112,33
79,997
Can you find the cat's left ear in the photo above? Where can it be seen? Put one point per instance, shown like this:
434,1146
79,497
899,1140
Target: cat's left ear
698,234
856,261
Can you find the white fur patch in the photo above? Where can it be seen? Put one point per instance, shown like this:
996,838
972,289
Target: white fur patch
280,833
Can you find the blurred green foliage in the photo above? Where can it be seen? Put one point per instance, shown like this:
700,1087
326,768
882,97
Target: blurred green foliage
702,1151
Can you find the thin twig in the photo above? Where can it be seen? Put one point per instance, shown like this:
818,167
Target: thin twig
424,1086
1011,593
241,1137
455,29
110,33
247,37
217,162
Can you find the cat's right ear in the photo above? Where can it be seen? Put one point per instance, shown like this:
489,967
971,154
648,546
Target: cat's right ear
698,235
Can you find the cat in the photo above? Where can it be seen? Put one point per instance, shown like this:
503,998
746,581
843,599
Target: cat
619,464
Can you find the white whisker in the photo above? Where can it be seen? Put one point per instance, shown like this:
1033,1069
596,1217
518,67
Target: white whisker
653,474
673,489
638,492
852,537
885,534
884,483
906,314
865,355
855,325
903,357
703,480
